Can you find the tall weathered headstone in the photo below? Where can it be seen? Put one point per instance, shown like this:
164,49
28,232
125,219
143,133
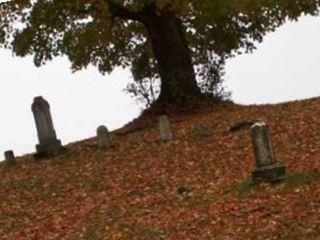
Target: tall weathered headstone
165,128
48,145
267,169
103,137
9,158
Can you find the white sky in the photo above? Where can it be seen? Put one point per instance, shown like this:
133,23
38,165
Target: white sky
285,67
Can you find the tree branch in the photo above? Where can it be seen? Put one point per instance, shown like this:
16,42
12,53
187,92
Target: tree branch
122,12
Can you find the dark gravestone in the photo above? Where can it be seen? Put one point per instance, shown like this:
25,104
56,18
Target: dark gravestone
267,169
103,137
165,128
9,158
48,145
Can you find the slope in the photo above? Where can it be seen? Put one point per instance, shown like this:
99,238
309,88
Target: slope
195,187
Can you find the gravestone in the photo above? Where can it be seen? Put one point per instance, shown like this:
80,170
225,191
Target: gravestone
103,137
48,145
267,169
165,128
9,158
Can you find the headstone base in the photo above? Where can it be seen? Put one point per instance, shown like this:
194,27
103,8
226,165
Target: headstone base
272,173
48,149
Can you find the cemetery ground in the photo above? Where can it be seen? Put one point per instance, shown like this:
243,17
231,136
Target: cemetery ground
196,186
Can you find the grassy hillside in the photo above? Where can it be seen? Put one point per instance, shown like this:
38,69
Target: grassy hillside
195,187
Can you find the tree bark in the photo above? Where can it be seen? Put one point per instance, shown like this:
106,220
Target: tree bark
167,37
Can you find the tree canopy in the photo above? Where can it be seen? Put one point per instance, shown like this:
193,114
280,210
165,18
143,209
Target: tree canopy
127,33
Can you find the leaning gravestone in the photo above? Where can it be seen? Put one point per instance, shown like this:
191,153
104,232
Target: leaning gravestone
103,137
165,128
9,158
267,169
48,145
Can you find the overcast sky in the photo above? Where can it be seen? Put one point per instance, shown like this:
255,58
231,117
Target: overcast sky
285,67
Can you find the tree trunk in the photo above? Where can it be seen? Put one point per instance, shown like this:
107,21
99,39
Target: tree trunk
166,34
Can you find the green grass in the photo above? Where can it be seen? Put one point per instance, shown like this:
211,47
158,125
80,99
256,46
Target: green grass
245,189
295,180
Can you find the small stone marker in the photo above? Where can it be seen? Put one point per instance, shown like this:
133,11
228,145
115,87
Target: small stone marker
203,130
103,137
267,169
48,145
9,158
137,137
165,128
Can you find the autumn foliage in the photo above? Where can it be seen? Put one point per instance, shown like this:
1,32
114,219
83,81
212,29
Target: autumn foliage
195,187
169,45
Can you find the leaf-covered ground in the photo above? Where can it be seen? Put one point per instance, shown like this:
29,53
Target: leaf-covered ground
195,187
